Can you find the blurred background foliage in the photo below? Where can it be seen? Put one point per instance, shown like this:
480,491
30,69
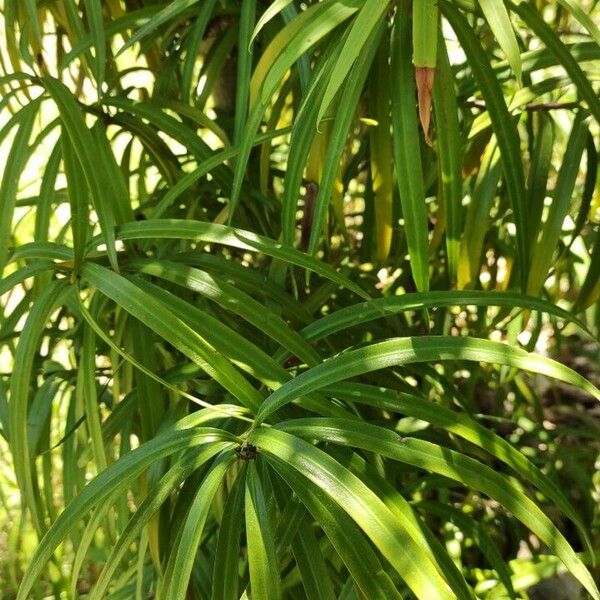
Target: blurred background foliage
299,299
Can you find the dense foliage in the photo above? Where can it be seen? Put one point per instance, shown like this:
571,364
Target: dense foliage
299,299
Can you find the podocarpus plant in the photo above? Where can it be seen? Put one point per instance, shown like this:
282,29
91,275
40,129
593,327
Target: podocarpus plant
273,278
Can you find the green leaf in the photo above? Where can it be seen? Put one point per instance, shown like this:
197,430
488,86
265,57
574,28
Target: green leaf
46,198
365,312
561,200
160,318
481,537
380,146
287,46
345,536
45,251
39,413
118,475
449,150
478,215
225,582
244,67
231,298
497,17
583,17
185,547
365,23
453,465
404,512
15,164
172,10
86,386
250,280
235,238
311,564
29,342
504,128
19,276
78,192
97,520
206,167
171,126
87,151
407,158
118,187
301,34
93,11
538,174
344,113
34,20
383,528
590,290
561,53
402,351
262,558
464,426
226,345
192,46
272,11
152,412
425,33
304,130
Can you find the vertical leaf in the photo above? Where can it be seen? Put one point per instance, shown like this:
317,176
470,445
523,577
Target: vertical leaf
184,549
262,558
114,178
590,290
311,563
344,114
44,206
78,192
364,24
88,153
285,49
16,160
541,161
244,67
27,348
86,382
227,555
561,200
504,128
305,129
381,150
93,9
193,42
471,247
449,156
497,17
407,152
33,19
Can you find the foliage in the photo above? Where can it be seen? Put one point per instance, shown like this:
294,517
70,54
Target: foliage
279,281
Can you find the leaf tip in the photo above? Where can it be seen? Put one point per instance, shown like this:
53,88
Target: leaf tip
424,77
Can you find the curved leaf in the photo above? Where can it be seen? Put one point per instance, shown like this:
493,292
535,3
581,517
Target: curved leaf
402,351
454,465
373,517
119,475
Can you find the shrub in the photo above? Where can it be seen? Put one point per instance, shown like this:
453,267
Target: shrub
298,296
